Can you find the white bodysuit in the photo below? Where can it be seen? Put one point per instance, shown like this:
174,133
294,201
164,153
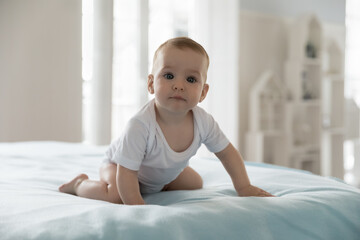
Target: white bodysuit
142,147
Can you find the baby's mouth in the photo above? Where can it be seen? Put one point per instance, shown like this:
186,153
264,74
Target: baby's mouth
176,97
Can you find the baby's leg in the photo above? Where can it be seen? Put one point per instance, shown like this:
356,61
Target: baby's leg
72,186
108,175
105,189
188,179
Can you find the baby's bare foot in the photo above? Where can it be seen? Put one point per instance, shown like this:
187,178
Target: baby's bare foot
71,186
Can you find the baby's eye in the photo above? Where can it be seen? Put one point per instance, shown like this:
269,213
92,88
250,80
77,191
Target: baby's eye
168,76
191,79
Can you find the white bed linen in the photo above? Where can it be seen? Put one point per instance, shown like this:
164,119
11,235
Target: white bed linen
307,206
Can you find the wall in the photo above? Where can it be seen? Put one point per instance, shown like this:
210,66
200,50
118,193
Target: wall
263,40
330,11
40,70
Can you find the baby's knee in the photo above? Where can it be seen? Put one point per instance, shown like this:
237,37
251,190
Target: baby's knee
113,195
199,183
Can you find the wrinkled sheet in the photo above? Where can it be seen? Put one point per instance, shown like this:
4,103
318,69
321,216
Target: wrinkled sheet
307,207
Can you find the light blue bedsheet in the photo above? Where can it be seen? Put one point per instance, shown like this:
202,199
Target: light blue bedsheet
307,206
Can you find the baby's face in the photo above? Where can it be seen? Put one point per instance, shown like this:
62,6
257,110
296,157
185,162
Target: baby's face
178,79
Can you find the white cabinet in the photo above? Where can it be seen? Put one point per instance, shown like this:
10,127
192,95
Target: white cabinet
314,73
333,103
299,122
303,77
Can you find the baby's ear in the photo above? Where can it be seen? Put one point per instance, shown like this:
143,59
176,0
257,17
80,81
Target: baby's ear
204,92
151,83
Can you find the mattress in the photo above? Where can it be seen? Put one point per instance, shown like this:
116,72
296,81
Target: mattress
307,206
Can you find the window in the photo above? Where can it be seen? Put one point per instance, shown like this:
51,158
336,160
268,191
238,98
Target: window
139,28
167,19
155,20
352,83
87,60
126,68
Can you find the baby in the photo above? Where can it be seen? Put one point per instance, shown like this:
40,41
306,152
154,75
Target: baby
153,152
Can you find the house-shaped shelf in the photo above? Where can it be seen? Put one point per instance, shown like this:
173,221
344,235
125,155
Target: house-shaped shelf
303,71
267,99
333,88
265,140
305,38
335,58
304,78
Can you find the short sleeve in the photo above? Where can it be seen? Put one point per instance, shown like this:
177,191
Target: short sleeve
131,146
212,136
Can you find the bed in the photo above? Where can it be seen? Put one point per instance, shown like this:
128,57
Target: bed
307,207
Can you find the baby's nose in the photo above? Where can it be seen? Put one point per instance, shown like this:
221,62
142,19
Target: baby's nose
178,86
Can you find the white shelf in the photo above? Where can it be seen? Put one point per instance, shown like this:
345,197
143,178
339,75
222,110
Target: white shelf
302,149
333,61
309,162
301,124
266,139
333,112
273,133
335,77
312,61
303,75
306,103
334,131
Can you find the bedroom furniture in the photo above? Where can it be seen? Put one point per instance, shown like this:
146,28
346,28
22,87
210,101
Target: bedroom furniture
303,77
303,128
266,138
307,206
314,73
333,110
352,138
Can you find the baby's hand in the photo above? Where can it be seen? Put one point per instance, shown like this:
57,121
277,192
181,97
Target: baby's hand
253,191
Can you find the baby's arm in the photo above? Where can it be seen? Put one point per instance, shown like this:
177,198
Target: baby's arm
128,186
234,165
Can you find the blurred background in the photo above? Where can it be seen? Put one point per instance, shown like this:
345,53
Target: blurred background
76,71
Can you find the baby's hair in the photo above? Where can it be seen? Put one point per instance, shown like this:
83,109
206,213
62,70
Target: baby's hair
182,43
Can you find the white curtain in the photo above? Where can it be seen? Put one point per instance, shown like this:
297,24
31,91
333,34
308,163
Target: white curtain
99,131
352,92
215,24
